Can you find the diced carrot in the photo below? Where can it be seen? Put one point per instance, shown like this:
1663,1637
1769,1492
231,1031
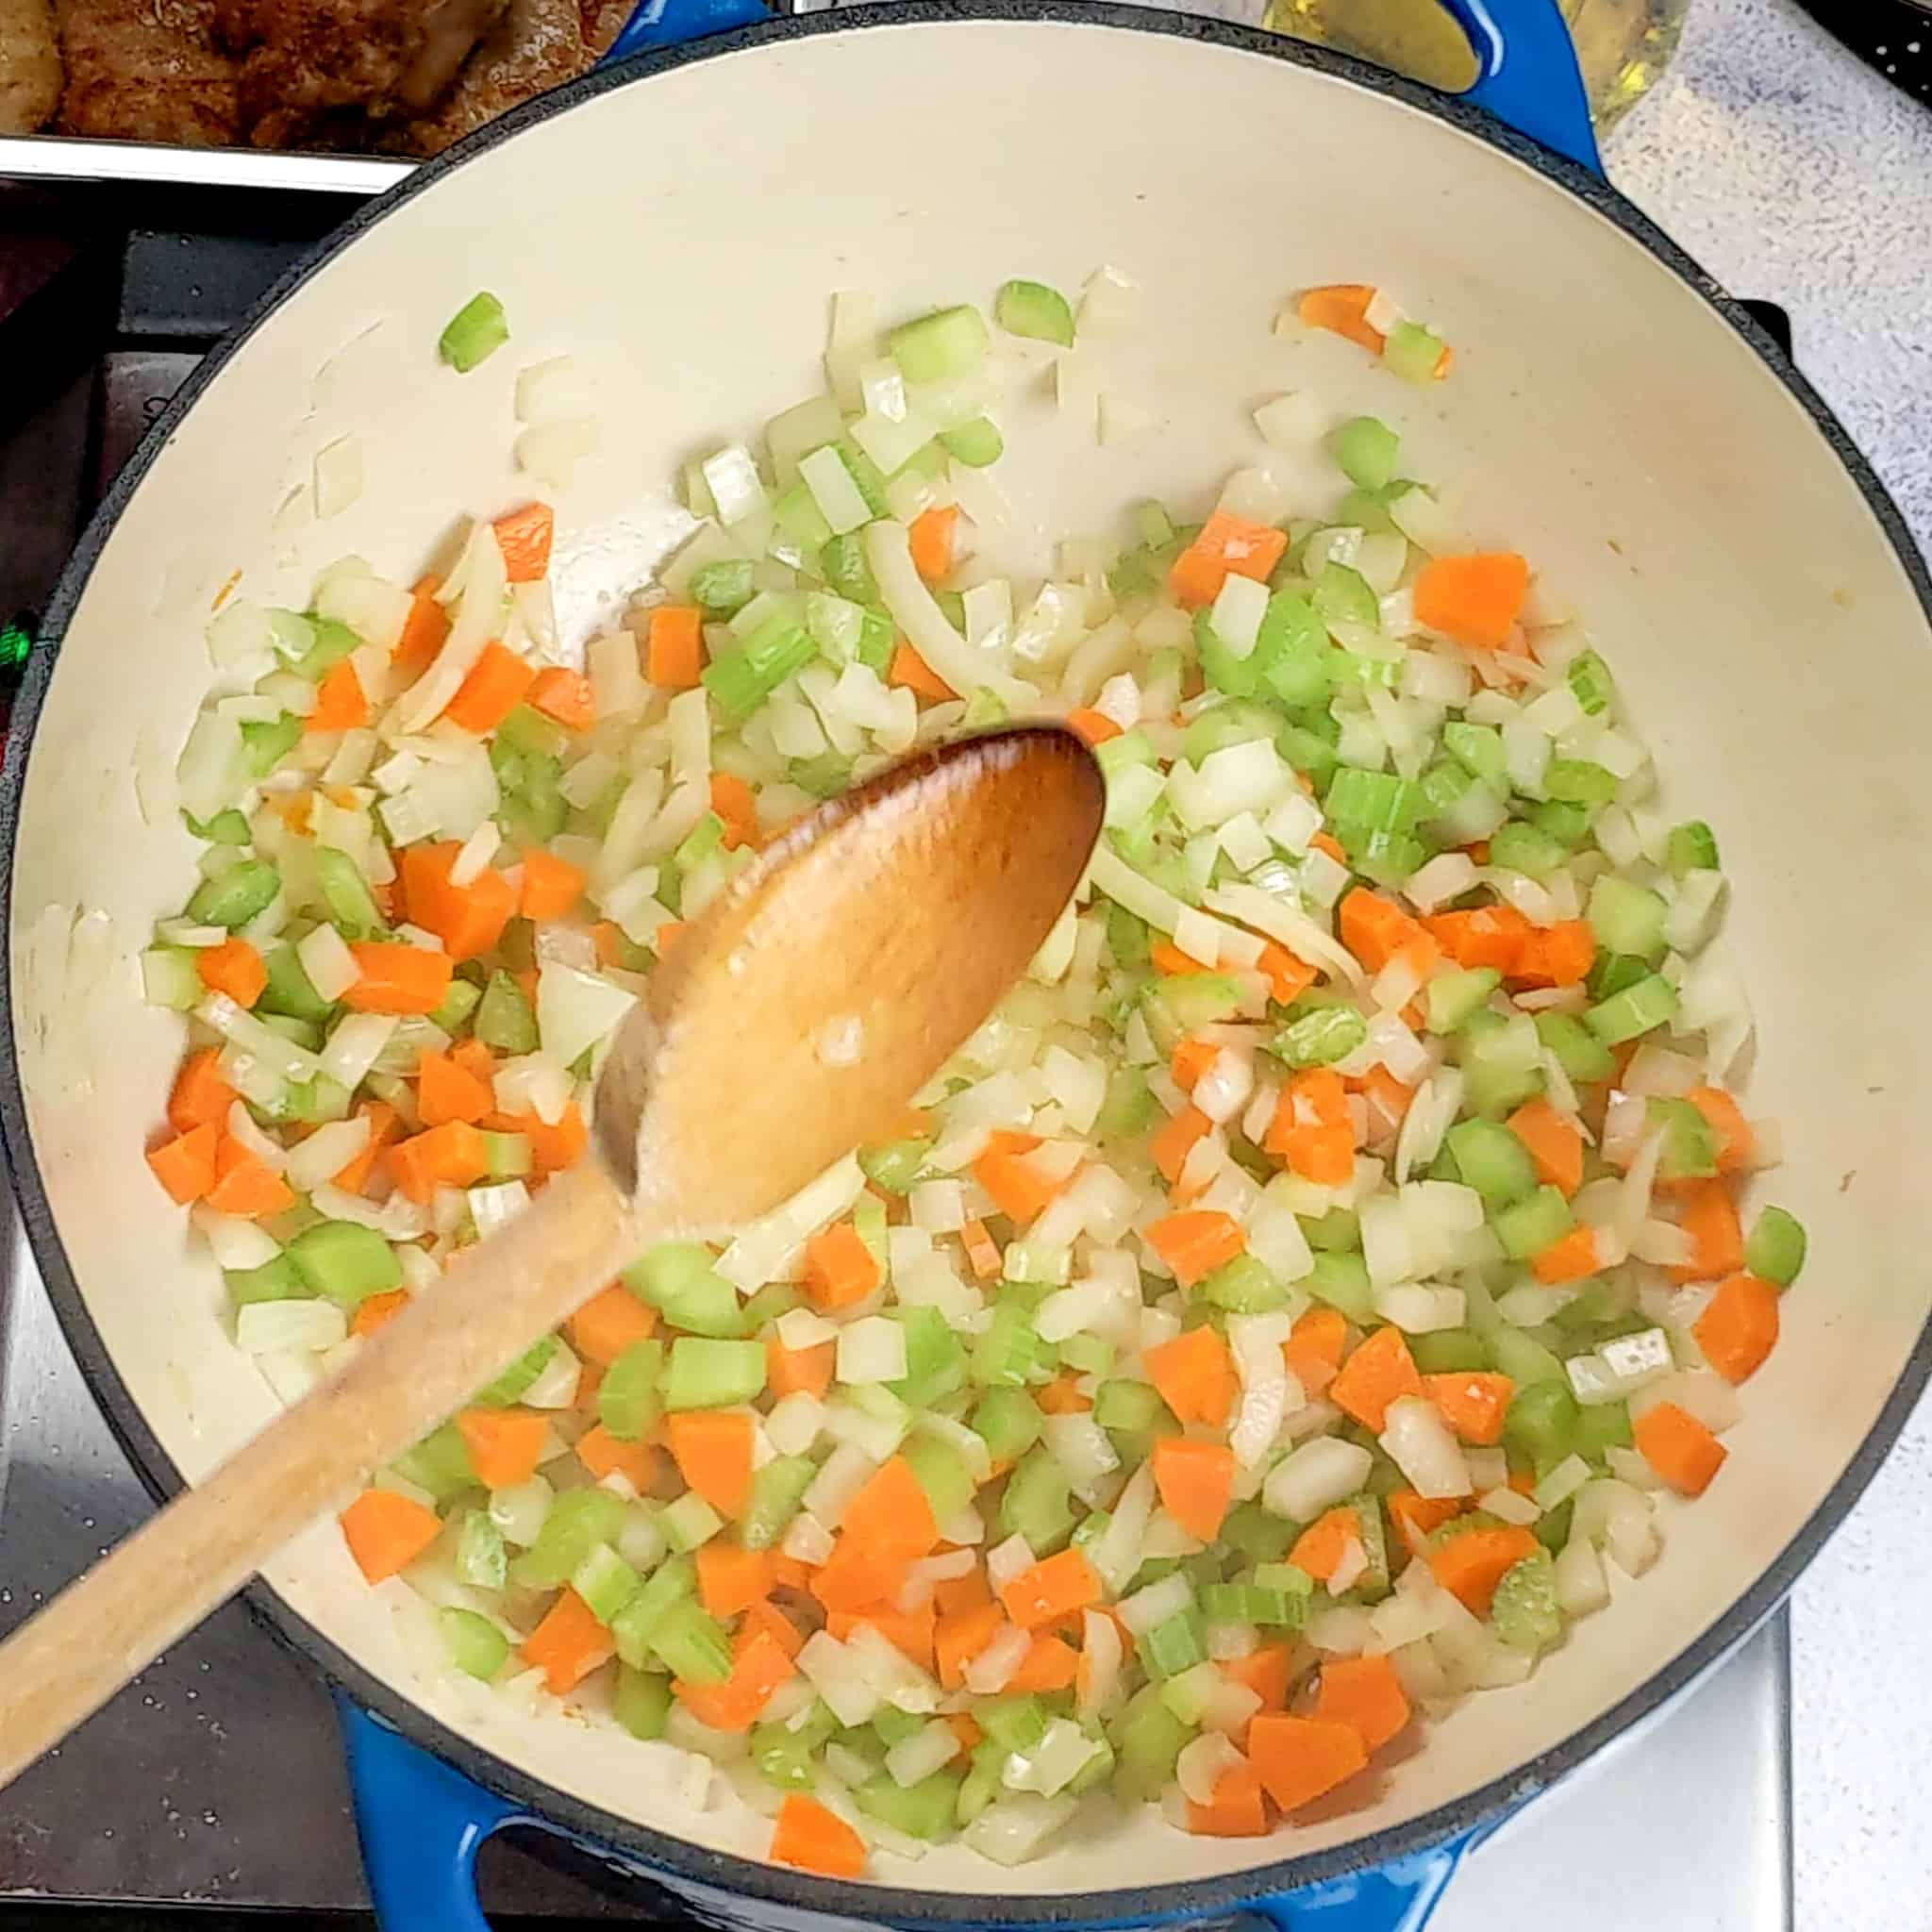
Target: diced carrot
1092,726
768,1618
712,1449
1706,1213
386,1532
1062,1397
1195,1481
1738,1327
731,1579
791,1371
1415,1517
1314,1347
185,1166
959,1636
1051,1589
493,689
568,1644
910,1632
200,1097
890,1515
1190,1060
601,1453
445,1092
759,1667
814,1839
423,631
375,1311
1196,1241
450,1156
339,702
1380,1372
968,1593
1323,842
1195,1375
1559,954
667,935
930,534
1385,1093
1051,1665
1735,1143
1236,1809
1168,958
1570,1257
552,886
1268,1670
381,1117
1492,936
554,1144
1302,1758
565,695
1226,545
1472,1402
1471,1565
982,1252
476,1061
674,651
964,1726
789,1573
1343,310
524,537
1555,1144
244,1184
1322,1547
505,1444
1287,977
911,670
234,967
469,920
1683,1452
1312,1129
396,977
1019,1190
839,1269
1472,599
1373,928
856,1575
1175,1138
732,800
1366,1692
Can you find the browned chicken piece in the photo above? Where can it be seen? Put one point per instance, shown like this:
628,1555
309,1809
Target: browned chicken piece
537,45
29,66
146,70
310,66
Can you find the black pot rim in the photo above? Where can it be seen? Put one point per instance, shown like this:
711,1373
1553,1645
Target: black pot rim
676,1858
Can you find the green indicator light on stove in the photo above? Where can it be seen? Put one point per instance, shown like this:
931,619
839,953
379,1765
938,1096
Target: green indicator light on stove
16,642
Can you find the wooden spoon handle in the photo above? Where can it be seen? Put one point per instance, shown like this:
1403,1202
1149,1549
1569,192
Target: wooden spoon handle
69,1658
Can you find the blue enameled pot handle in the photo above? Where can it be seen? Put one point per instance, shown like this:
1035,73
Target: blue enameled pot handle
669,22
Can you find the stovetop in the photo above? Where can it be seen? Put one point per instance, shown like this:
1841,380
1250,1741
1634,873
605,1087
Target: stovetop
215,1780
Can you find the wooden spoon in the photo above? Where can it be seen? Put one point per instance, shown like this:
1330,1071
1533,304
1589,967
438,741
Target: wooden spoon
790,1024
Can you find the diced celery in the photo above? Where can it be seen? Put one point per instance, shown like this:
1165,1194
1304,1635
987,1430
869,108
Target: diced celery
439,1464
976,443
1321,1038
1552,1529
678,1280
482,1560
742,680
800,521
1576,781
473,1643
1633,1012
1129,1107
779,1297
674,1582
1523,1610
843,565
455,1006
1371,801
1336,1232
641,1702
688,1522
723,589
1010,1422
1498,1078
1479,749
777,1490
1691,847
1688,1151
1493,1162
1446,1351
1589,679
224,828
1601,1427
1148,1738
236,895
628,1398
1568,824
305,1033
476,330
1244,1287
1033,308
604,1581
1364,451
1240,721
289,990
1626,918
1542,1416
1579,1052
937,347
274,1281
1037,1503
1178,1644
1014,1724
346,1262
507,1156
1257,1534
330,642
1613,973
1530,1225
1520,847
1776,1248
266,742
169,978
691,1644
509,1387
704,1373
351,905
1413,352
1087,1355
925,1810
894,1166
575,1522
935,1357
783,1757
1450,998
1343,1282
1133,1408
1343,595
1007,1351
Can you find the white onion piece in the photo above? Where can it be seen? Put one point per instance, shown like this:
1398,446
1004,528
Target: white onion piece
1420,1444
1315,1477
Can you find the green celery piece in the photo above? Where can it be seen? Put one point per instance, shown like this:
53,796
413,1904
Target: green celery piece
779,1297
510,1385
1602,1426
742,680
1627,918
1633,1012
942,1475
351,905
1371,802
1087,1355
1015,1723
843,565
604,1581
641,1702
1128,938
691,1644
1774,1250
705,1373
505,1021
1523,1610
1239,677
224,828
800,521
783,1758
482,1562
1291,658
1336,1232
507,1156
1576,781
1479,748
1552,1529
937,347
935,1357
1413,352
1691,847
1364,451
1493,1162
455,1006
894,1166
305,1033
473,1643
1006,1352
1129,1107
824,776
439,1463
575,1522
925,1810
1342,596
1589,679
1177,1645
1579,1052
527,729
627,1399
1613,973
1450,998
702,841
1523,1357
332,642
688,1522
346,1262
1447,1351
1133,1408
1034,310
236,895
1343,1282
473,333
1528,1226
265,743
674,1581
1010,1422
274,1281
1244,1287
977,443
1520,847
1568,824
1257,1534
1148,1738
1542,1422
723,589
1321,1038
1240,721
777,1490
678,1280
1688,1151
1037,1503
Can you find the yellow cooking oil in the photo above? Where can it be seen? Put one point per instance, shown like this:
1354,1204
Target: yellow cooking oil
1622,44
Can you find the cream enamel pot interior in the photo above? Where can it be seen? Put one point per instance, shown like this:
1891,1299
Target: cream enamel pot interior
680,225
